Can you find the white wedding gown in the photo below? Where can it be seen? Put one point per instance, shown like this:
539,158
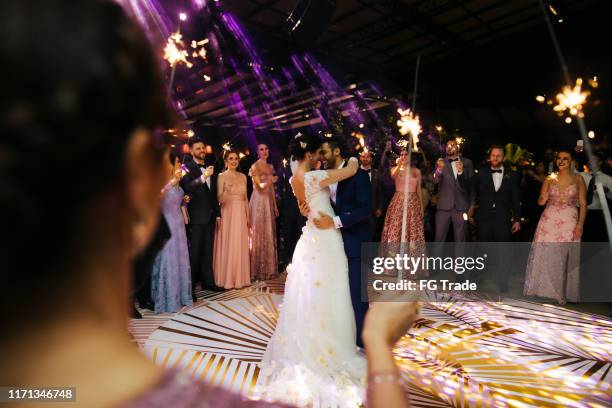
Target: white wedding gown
312,358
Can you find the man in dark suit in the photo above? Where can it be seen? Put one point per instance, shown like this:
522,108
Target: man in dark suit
455,200
200,184
365,159
352,202
499,205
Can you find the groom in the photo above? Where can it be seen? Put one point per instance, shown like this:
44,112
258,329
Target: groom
352,202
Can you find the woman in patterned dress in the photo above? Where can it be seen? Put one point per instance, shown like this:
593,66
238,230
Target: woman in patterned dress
553,267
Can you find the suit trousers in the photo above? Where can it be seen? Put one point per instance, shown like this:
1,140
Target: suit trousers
201,257
443,221
360,308
496,227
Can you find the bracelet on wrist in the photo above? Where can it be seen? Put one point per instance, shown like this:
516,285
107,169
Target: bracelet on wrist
388,377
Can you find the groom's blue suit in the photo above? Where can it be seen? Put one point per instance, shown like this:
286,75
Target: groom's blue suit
354,207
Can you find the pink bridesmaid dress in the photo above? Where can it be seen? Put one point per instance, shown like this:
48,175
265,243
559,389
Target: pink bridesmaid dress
231,253
264,262
553,269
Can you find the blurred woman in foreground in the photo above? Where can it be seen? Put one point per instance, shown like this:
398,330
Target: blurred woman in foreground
81,168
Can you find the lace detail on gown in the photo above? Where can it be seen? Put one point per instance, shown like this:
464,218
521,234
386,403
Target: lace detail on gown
553,267
311,359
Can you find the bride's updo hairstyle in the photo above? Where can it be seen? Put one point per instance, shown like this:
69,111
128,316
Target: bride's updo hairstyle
303,143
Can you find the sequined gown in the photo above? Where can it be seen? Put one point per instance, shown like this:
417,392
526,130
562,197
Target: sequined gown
171,276
553,269
264,261
311,359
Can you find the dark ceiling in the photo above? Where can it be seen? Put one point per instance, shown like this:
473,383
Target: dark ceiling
482,63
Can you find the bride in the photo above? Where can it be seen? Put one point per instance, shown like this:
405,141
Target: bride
312,358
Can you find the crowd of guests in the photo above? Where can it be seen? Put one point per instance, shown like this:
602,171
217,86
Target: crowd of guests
233,238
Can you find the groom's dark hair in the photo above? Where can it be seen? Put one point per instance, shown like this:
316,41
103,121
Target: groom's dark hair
340,143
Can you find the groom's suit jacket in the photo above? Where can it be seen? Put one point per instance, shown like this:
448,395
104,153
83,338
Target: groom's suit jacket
354,207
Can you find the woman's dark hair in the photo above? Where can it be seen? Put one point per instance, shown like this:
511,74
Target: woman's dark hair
304,143
172,156
81,78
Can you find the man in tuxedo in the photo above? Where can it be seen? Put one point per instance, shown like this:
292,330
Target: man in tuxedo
455,200
594,224
352,202
499,206
365,159
200,184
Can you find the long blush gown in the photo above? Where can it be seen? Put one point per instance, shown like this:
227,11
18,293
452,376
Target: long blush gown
392,230
553,269
264,260
231,252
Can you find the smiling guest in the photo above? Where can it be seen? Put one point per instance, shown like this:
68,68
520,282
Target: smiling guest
499,204
553,269
231,258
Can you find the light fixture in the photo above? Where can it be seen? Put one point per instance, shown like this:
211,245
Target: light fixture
183,16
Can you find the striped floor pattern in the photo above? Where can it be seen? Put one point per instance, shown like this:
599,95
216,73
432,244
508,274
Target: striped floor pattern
459,353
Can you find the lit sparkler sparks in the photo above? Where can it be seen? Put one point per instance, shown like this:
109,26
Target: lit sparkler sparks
199,51
409,124
571,100
174,52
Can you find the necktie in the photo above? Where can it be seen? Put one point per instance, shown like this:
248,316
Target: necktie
452,160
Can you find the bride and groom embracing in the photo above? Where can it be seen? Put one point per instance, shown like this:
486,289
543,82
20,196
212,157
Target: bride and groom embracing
312,358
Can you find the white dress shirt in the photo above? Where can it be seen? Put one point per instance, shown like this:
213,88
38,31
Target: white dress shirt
600,177
498,177
333,188
205,179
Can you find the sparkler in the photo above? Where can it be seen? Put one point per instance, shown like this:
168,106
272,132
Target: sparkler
174,52
409,123
571,100
201,51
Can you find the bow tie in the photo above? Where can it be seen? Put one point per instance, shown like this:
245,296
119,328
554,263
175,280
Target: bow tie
368,170
201,165
452,160
496,171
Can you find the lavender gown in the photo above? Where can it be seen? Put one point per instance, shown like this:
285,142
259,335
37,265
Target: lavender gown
171,277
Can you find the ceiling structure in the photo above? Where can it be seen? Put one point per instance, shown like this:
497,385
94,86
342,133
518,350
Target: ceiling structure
482,63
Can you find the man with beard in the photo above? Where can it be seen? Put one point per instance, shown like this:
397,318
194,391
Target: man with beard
203,208
455,193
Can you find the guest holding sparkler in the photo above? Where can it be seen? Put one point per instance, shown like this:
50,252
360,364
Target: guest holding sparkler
455,200
553,266
264,264
231,255
392,230
171,277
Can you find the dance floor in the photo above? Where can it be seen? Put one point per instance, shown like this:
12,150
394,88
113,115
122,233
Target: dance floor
459,354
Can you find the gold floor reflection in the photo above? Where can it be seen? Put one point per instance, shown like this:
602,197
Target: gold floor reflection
459,354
